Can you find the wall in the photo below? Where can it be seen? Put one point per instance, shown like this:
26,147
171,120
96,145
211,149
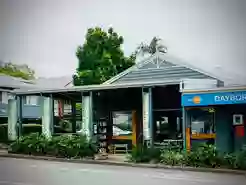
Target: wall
31,111
224,132
28,111
238,142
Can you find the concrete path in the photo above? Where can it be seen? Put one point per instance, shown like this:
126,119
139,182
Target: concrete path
35,172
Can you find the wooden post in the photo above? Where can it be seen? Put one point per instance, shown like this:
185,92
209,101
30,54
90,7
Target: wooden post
188,142
134,128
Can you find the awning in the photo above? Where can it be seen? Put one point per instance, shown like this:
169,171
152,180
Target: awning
95,87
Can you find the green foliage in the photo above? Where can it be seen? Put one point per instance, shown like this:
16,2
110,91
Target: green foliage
100,57
173,158
229,161
143,154
69,146
26,129
30,144
19,71
236,160
79,107
204,155
201,156
240,159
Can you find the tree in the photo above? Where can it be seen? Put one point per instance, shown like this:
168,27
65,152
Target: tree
152,47
100,57
19,71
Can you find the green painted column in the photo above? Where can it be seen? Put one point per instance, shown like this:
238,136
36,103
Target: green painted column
87,117
12,119
47,118
20,115
147,116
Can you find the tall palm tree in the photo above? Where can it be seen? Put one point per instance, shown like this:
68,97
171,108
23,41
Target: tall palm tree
151,48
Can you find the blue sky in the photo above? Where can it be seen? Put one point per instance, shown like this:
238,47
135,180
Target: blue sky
209,34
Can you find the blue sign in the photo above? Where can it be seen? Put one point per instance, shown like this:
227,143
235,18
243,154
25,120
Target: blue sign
218,98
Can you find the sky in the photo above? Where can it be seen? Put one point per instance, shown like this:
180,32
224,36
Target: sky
208,34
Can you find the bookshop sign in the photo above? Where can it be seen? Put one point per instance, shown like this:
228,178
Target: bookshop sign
218,98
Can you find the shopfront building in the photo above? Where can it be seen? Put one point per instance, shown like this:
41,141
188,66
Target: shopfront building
140,105
216,116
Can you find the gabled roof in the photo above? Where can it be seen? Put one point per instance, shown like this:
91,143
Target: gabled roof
53,82
10,82
160,67
14,83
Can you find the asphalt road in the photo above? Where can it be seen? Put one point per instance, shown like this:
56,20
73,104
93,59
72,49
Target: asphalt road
34,172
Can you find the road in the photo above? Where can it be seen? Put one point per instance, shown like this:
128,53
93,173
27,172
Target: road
34,172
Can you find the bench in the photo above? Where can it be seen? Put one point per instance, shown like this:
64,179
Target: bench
115,148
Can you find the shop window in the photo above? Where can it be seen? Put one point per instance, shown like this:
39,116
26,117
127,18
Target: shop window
30,100
202,121
167,125
4,97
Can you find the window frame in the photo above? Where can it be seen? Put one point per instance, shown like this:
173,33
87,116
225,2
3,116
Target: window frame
203,135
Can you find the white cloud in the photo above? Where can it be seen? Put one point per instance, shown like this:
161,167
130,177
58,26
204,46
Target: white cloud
45,33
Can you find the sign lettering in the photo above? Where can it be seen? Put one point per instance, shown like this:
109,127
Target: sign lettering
217,98
233,97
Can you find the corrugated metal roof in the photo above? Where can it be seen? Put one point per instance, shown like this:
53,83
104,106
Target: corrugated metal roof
160,67
218,89
54,82
18,83
12,82
97,87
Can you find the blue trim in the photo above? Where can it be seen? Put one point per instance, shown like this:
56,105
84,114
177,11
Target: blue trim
218,98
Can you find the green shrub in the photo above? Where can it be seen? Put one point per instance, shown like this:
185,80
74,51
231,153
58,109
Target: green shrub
205,155
33,143
236,160
73,146
229,160
26,130
69,146
240,159
144,154
173,158
201,156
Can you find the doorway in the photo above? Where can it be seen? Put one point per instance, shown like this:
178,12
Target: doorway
167,114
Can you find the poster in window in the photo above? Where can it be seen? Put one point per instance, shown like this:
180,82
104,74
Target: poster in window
122,123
